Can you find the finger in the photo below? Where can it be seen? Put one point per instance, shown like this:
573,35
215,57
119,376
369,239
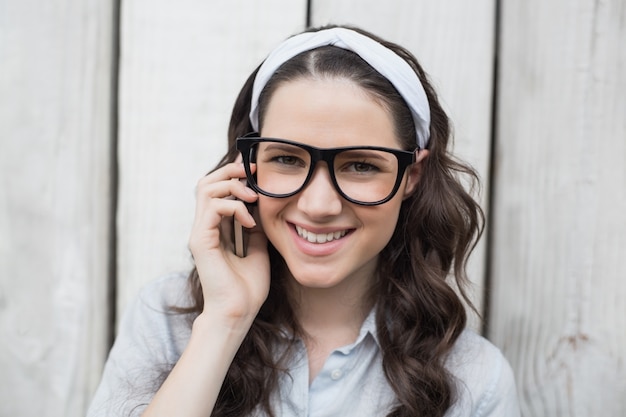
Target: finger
228,171
231,189
218,200
216,209
203,238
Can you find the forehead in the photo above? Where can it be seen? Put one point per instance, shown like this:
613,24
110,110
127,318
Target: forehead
328,112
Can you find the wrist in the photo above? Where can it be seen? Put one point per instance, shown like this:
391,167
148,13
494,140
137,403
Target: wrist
214,324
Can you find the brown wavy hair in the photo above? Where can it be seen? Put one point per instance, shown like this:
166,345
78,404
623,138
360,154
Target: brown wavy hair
419,316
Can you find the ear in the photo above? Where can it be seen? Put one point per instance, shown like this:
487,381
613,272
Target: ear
414,173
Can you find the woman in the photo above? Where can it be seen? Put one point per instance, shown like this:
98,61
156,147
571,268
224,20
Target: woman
355,217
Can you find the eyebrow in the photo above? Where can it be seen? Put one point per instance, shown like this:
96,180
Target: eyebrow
357,151
368,153
279,146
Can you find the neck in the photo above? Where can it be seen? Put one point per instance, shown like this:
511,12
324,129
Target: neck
330,317
332,313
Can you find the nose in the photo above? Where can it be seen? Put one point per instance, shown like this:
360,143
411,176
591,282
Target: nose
319,198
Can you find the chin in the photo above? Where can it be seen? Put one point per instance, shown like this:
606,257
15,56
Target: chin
328,276
317,281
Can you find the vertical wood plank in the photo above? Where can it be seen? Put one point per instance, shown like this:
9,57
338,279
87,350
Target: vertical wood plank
182,64
560,198
453,40
55,102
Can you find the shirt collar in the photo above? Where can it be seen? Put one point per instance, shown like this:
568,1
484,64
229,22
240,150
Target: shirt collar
368,328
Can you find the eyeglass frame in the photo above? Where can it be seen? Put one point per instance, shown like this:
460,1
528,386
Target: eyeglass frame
245,143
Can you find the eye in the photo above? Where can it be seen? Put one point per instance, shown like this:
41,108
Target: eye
281,156
289,160
362,167
364,162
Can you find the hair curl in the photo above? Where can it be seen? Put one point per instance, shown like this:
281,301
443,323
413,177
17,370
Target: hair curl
419,316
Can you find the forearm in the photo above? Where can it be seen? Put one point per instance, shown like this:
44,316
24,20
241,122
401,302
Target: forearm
192,387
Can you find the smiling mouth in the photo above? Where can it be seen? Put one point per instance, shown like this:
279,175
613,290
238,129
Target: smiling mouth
320,237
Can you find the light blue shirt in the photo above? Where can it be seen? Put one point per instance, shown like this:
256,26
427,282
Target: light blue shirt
351,382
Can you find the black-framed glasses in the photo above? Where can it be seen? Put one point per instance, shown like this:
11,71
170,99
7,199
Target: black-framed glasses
365,175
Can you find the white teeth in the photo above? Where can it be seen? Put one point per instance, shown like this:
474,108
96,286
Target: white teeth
319,238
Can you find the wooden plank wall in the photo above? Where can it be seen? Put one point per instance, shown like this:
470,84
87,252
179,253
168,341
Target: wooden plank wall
181,66
55,141
559,210
556,288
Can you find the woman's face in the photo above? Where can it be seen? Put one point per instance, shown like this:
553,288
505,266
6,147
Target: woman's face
330,113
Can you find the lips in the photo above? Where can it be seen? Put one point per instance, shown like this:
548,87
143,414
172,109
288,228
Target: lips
320,237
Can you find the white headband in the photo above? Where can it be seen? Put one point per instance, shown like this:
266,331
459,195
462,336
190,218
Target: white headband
382,59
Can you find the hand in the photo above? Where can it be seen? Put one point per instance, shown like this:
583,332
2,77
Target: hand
234,288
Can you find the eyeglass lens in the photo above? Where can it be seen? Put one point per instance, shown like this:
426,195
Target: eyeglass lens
363,175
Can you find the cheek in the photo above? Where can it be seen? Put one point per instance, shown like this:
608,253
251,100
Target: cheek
268,212
389,227
384,221
394,214
263,210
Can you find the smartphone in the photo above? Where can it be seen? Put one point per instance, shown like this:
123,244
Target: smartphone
238,237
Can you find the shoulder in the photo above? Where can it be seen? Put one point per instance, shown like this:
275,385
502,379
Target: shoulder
165,292
150,339
473,354
485,381
154,316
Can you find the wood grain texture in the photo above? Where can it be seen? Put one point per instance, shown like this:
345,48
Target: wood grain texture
560,233
182,65
454,42
55,115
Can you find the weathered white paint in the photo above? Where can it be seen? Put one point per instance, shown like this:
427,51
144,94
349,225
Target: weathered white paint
182,64
55,92
454,42
558,292
559,235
